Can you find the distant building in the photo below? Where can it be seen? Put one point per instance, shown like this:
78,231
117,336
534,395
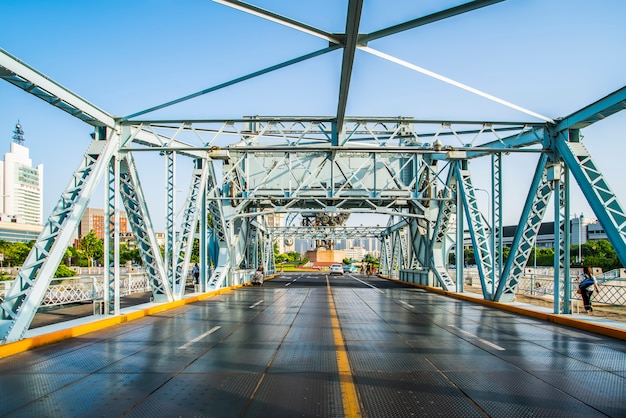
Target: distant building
276,220
21,193
21,184
582,230
93,219
356,253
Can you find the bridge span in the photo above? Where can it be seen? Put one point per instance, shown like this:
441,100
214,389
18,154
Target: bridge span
310,345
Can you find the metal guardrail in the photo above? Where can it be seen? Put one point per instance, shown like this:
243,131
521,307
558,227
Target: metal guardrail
612,290
84,288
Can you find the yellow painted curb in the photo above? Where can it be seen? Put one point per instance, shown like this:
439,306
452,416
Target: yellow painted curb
16,347
550,317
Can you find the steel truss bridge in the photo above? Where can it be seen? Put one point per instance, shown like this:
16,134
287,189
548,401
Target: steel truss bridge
418,172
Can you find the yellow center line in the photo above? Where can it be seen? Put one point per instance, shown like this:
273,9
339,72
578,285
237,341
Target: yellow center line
349,397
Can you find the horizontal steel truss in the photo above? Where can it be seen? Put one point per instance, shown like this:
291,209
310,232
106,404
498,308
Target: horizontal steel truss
290,164
327,232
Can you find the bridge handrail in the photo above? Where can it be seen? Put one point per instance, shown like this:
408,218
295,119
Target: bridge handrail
76,289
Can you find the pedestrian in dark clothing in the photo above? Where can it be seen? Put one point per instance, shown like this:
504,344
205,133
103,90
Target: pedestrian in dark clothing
196,274
587,285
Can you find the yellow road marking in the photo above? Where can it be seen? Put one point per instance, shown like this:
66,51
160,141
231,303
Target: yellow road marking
349,397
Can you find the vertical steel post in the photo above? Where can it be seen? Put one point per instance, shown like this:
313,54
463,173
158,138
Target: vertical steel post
170,167
460,245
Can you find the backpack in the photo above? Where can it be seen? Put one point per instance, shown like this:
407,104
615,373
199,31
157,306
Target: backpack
587,282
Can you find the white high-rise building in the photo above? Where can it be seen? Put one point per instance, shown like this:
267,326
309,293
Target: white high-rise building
21,184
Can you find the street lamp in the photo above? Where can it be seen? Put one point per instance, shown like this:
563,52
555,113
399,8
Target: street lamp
578,222
488,202
490,222
580,239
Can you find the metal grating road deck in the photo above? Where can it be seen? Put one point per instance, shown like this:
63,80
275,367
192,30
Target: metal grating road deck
273,351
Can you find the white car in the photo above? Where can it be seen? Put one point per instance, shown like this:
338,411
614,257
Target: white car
336,269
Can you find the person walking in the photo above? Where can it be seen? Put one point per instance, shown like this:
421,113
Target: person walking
195,272
587,285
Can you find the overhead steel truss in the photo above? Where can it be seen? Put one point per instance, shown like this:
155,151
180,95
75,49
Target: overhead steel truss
244,170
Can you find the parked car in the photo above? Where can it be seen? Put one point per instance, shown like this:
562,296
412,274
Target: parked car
336,269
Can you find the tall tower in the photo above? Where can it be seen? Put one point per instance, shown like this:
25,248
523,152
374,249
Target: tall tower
21,184
18,134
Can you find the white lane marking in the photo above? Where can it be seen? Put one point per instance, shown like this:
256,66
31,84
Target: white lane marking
489,343
199,337
408,305
287,284
256,304
366,284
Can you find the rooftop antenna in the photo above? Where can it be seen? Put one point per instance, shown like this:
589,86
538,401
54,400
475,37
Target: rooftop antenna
18,134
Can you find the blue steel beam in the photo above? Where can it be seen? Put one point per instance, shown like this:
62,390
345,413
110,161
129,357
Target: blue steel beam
352,32
595,112
599,195
184,242
22,300
525,138
526,233
478,233
235,81
31,81
431,18
440,232
140,222
274,17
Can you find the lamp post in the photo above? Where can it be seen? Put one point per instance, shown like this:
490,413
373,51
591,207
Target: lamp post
490,221
580,239
488,202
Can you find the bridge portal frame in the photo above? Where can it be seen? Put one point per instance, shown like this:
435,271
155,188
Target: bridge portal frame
415,171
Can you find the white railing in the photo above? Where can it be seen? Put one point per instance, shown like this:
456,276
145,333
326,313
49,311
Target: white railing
85,288
540,282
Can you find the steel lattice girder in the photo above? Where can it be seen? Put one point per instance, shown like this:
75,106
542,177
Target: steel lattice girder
190,220
141,225
596,189
441,231
526,233
478,232
24,297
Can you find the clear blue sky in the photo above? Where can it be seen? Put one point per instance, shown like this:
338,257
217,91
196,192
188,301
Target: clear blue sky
550,56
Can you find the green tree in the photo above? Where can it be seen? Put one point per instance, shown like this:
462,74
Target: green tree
15,253
92,246
295,257
370,259
64,271
600,254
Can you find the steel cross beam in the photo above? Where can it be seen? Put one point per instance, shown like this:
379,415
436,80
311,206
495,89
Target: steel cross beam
443,225
478,232
596,189
266,14
526,233
425,20
351,37
141,225
595,112
184,243
32,81
327,232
